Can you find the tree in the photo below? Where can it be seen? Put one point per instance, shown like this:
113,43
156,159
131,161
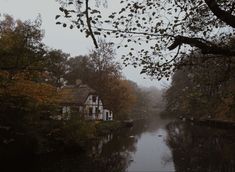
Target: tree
78,68
101,72
24,95
23,57
21,46
156,26
203,90
120,98
148,102
22,50
56,66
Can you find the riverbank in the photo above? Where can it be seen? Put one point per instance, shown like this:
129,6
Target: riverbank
216,123
61,136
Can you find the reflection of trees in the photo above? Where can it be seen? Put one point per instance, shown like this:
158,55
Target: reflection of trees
111,153
115,155
198,149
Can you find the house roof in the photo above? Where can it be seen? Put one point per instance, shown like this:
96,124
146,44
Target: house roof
74,94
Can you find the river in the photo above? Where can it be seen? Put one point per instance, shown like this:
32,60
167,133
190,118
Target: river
152,153
149,146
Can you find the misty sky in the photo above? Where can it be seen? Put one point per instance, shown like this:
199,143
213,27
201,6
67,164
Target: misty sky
70,41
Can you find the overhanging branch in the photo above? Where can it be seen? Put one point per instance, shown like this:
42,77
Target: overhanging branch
225,16
206,47
88,20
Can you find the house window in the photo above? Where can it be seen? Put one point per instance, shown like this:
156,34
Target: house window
90,111
97,110
107,116
94,99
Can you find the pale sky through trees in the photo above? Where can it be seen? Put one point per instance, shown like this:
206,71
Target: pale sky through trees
70,41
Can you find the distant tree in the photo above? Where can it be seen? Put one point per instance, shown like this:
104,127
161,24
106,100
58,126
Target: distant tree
148,28
56,66
78,67
148,102
203,90
120,97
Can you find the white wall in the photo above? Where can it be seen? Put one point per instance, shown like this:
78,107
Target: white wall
94,105
109,113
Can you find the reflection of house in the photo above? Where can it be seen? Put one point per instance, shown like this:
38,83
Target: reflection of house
83,99
97,148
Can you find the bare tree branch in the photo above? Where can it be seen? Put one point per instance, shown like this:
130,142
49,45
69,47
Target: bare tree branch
133,32
173,59
88,19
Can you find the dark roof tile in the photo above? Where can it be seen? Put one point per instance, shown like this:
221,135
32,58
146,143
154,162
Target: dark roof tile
75,94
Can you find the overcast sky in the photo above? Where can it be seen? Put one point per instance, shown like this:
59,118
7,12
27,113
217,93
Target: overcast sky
70,41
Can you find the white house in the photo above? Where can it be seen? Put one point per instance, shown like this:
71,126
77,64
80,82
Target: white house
84,100
107,115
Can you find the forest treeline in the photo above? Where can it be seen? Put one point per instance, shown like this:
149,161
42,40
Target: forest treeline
31,74
203,90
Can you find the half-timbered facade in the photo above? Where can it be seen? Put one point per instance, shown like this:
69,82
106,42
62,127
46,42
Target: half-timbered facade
85,101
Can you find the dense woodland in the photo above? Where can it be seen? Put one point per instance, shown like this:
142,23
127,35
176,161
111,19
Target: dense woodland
31,74
203,90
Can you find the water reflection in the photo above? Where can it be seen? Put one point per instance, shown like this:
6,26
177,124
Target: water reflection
152,152
156,145
140,148
197,148
111,153
149,146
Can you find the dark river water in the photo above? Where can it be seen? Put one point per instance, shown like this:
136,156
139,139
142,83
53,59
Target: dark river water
149,146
